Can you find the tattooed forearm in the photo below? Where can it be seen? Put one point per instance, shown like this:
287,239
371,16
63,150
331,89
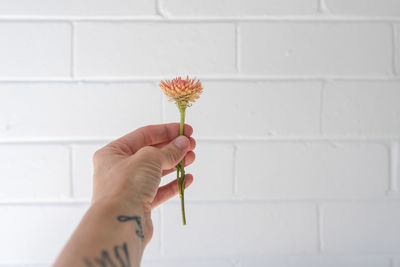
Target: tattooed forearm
121,256
137,219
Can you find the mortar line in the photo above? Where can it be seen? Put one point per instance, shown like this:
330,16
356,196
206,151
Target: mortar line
232,77
322,8
205,19
311,201
159,10
319,7
26,263
49,202
293,139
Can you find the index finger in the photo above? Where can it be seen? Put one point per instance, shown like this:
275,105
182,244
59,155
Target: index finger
151,135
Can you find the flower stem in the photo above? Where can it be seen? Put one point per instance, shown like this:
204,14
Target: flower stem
181,170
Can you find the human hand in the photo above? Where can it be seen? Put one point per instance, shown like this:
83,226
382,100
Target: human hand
129,170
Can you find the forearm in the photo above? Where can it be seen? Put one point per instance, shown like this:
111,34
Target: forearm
110,234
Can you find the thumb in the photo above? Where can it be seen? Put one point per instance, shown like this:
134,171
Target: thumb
173,153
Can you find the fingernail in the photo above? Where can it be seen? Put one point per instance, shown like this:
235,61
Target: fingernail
181,142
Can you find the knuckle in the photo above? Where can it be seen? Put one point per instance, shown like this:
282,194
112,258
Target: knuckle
173,155
149,153
193,142
148,150
97,155
145,131
172,190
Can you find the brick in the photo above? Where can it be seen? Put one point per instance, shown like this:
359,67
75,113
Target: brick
315,48
65,110
364,7
82,170
361,108
35,49
221,8
77,7
212,168
254,109
317,261
36,233
34,172
365,227
133,49
241,229
184,263
312,170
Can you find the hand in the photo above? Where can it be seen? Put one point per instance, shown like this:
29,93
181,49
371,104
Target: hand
129,169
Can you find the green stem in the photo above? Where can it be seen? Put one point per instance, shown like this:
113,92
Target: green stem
183,209
181,178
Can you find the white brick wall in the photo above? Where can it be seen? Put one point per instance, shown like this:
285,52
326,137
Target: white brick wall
35,49
298,129
45,172
75,110
242,229
133,49
355,227
77,7
36,233
266,108
361,108
315,48
312,170
364,7
221,8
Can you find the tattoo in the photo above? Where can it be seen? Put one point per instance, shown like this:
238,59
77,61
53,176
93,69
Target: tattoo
105,259
120,252
139,232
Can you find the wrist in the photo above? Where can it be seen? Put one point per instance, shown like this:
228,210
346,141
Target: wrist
127,213
114,202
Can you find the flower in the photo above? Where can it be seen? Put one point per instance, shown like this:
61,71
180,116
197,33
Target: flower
183,92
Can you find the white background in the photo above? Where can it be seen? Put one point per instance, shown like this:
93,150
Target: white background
298,128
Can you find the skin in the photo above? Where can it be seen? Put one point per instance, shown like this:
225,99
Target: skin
127,173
